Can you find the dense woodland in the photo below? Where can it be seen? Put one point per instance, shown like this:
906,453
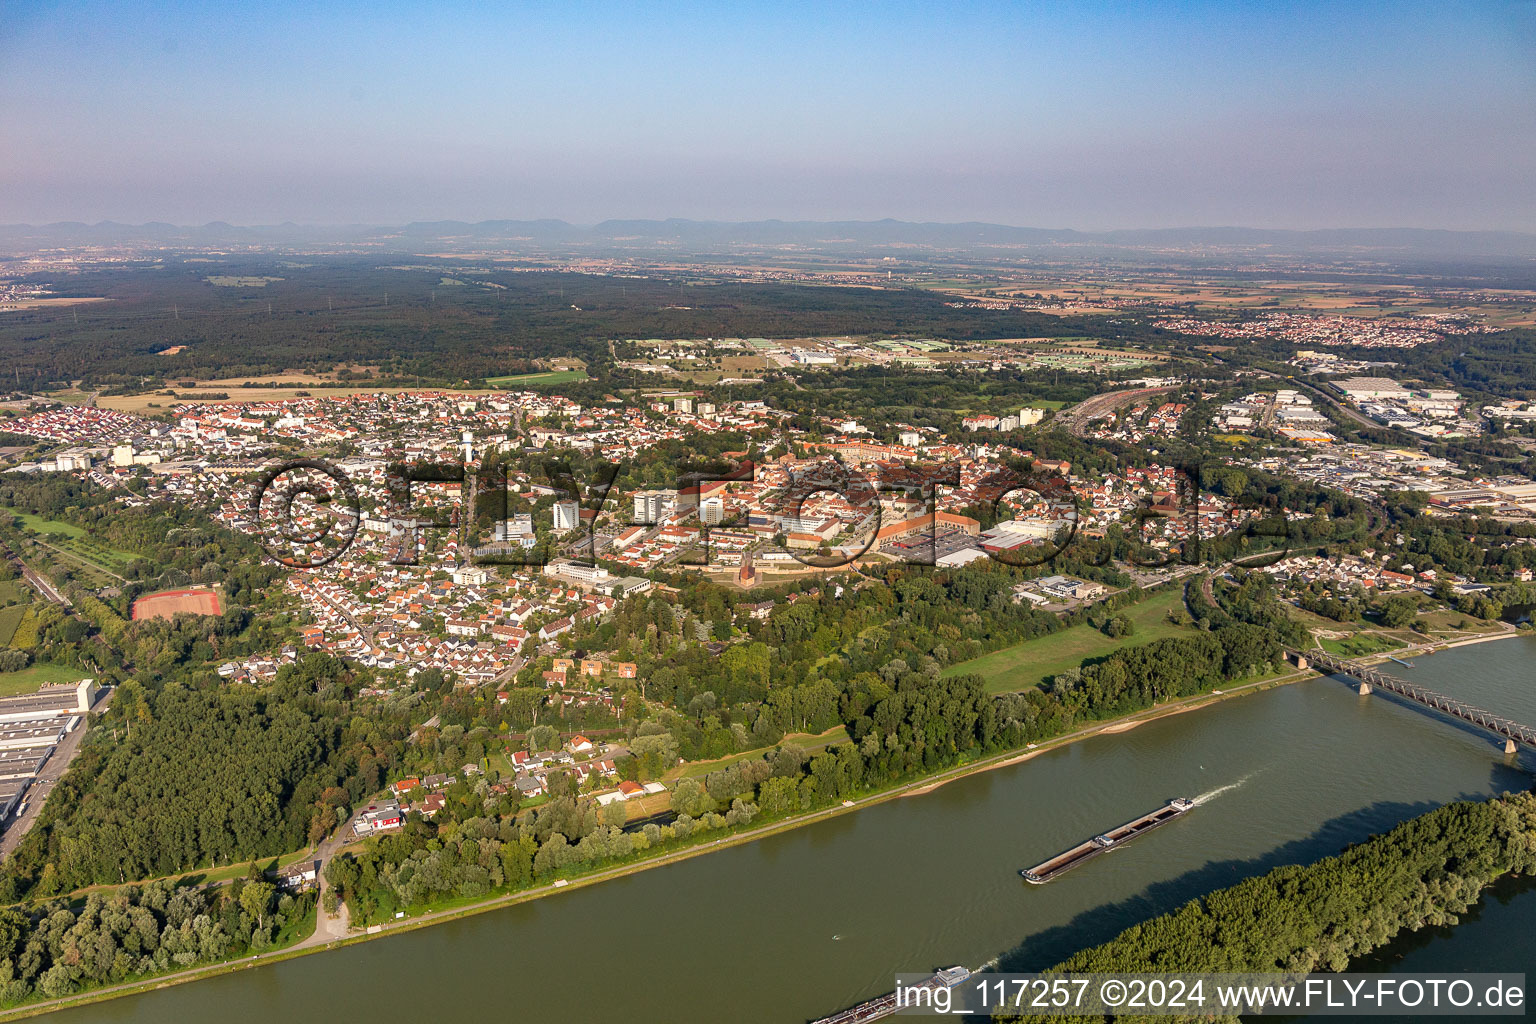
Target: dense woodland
498,324
55,949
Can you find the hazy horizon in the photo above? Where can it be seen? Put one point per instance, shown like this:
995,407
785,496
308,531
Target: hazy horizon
383,225
1093,118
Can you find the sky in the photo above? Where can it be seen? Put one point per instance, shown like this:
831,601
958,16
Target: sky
1079,115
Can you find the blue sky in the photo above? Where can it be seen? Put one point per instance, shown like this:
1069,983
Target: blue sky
1055,115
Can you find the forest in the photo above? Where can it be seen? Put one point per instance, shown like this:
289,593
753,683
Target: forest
177,777
55,949
405,326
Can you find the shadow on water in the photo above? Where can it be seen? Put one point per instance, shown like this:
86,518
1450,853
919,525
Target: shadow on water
1461,725
1093,927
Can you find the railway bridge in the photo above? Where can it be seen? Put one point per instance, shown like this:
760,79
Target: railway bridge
1512,732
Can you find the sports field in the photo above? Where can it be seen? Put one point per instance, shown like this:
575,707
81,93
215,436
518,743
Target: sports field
165,603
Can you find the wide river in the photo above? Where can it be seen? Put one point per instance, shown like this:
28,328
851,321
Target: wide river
807,922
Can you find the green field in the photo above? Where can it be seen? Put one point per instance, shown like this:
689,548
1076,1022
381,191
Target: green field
547,377
10,618
75,541
11,592
1032,662
47,527
34,676
1360,645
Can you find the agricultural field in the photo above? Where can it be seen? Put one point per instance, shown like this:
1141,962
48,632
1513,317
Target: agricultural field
229,394
232,281
1033,662
810,743
24,631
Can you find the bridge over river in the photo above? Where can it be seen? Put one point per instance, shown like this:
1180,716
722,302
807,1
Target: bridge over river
1512,732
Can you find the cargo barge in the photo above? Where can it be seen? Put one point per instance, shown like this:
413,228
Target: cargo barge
1113,839
876,1009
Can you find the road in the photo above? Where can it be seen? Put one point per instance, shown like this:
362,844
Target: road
48,775
366,631
329,927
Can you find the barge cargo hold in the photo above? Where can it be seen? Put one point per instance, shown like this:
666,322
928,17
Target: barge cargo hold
884,1006
1113,839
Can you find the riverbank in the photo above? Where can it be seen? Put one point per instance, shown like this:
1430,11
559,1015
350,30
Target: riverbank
1435,646
825,913
1360,899
914,788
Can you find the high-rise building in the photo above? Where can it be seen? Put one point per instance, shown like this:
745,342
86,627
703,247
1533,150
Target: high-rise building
567,515
712,511
653,506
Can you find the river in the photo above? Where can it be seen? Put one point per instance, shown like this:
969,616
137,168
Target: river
809,921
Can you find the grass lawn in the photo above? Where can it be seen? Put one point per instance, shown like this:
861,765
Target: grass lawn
546,377
33,676
1032,662
50,527
11,592
10,618
1360,645
1446,621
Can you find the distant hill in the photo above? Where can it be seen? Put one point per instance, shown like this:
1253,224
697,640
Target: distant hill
694,234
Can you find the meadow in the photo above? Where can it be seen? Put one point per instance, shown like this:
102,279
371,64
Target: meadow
1033,662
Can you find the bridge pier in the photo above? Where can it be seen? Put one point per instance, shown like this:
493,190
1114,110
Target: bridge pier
1367,679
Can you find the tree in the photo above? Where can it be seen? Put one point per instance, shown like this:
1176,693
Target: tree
1399,611
542,737
690,798
256,898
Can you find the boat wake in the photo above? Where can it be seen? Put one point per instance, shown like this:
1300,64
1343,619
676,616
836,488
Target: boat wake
1213,794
